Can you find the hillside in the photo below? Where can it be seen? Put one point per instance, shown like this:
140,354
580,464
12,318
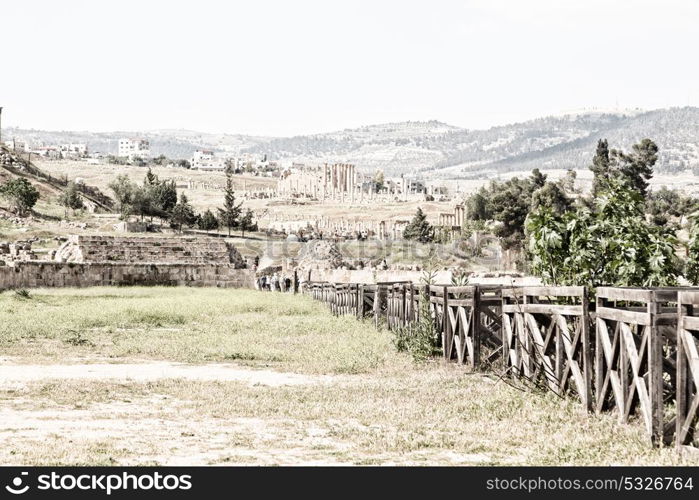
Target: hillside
171,143
440,150
450,152
50,187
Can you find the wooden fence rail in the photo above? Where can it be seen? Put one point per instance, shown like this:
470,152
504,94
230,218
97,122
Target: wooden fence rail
634,351
547,338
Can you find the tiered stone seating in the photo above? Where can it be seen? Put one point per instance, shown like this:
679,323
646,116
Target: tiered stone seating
147,250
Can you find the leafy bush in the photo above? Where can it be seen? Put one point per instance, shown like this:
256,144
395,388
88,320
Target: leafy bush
419,338
610,243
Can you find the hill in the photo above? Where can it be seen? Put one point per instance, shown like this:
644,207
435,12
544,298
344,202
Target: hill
450,152
50,187
440,150
174,144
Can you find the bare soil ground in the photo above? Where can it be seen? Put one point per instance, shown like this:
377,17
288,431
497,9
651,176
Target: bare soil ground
20,374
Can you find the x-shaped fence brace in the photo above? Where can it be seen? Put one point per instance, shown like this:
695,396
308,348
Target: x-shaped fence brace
546,338
687,398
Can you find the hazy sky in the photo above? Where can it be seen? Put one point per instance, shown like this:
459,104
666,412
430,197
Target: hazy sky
296,67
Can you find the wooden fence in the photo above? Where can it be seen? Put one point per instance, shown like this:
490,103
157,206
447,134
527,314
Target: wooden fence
641,358
636,355
547,338
687,396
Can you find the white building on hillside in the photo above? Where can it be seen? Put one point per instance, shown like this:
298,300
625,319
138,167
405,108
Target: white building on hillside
205,159
134,147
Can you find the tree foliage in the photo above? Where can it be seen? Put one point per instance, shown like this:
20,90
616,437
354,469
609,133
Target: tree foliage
21,195
155,198
609,244
378,180
247,222
70,198
183,214
123,190
229,214
419,229
692,267
208,221
636,168
664,204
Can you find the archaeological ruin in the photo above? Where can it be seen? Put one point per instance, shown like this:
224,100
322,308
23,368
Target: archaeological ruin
107,260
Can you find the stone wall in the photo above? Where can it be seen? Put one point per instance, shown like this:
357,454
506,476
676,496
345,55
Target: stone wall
171,250
36,274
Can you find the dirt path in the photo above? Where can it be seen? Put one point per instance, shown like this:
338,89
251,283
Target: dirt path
11,374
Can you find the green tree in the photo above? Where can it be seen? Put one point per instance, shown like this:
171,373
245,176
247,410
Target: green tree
21,195
692,267
537,179
477,206
123,190
164,197
637,167
208,221
567,183
183,214
664,204
419,229
160,160
509,204
378,180
70,198
151,179
611,244
228,215
552,196
247,222
142,201
601,167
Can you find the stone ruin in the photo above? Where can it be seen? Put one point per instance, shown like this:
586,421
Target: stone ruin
148,250
17,251
321,254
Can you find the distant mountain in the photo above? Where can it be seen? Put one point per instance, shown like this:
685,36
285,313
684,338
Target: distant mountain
439,150
570,142
395,147
444,151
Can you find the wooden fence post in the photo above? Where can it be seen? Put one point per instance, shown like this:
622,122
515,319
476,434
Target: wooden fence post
599,359
655,373
389,305
403,304
476,327
447,340
587,360
360,301
411,306
377,305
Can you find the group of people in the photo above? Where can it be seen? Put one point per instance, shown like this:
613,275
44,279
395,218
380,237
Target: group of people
275,283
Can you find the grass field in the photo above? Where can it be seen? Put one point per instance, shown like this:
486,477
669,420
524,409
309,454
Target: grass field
211,376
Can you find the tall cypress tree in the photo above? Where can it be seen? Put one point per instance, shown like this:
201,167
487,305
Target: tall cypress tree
231,211
601,167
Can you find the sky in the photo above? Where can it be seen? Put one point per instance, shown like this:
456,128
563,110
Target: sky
283,68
